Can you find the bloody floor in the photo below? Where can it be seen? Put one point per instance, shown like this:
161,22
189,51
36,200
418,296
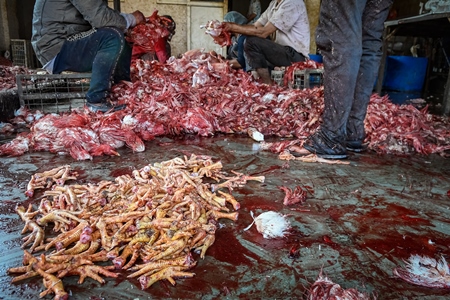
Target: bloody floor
358,223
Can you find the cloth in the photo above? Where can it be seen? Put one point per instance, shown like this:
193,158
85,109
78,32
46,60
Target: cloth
291,20
161,50
235,17
254,8
56,20
131,20
161,29
106,55
263,53
238,18
49,65
349,39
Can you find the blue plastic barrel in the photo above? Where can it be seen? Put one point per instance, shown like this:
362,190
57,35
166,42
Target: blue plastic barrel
316,57
405,73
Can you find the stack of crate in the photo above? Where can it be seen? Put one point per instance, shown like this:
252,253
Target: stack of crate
22,53
278,77
308,78
53,93
303,79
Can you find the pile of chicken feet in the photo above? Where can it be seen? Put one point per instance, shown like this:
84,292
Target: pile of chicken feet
148,223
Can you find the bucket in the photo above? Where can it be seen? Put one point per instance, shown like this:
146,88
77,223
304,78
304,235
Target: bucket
397,97
405,73
316,57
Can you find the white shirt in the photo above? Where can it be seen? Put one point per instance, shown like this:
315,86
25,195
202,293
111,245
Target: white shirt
291,20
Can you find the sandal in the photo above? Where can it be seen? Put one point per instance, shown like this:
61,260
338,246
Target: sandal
304,152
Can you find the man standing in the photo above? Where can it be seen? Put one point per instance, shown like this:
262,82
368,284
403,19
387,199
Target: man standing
84,36
349,39
288,21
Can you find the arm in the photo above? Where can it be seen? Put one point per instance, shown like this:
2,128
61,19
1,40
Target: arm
256,29
99,15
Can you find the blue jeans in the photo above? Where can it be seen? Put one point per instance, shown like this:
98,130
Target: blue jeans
240,52
105,53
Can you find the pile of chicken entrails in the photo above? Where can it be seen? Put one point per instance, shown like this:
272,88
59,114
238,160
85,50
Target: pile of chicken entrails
8,76
146,35
216,30
148,223
324,288
200,94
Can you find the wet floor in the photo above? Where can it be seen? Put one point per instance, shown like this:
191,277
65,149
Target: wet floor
358,223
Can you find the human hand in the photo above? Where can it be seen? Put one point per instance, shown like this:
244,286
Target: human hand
228,26
139,16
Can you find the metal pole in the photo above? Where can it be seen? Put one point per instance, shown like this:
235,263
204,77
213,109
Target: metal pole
447,96
117,5
383,61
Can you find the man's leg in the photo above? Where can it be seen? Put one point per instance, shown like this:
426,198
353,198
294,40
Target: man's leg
98,53
262,52
339,41
373,19
122,71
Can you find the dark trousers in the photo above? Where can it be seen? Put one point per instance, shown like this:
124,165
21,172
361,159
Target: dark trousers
105,53
263,53
349,39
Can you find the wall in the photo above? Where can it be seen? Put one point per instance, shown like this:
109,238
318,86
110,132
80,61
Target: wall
9,26
24,10
4,28
15,21
313,8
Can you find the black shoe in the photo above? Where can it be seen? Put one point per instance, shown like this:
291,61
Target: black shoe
355,146
104,107
324,147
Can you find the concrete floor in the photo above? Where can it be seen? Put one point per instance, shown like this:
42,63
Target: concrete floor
358,223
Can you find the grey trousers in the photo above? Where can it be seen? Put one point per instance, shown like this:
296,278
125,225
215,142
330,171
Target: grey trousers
349,38
263,53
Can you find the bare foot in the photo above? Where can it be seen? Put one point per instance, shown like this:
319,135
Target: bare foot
297,150
234,64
